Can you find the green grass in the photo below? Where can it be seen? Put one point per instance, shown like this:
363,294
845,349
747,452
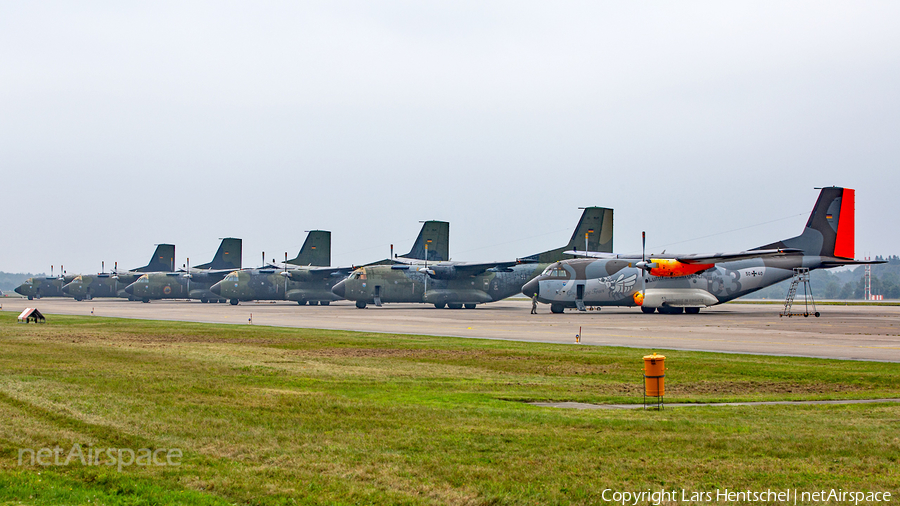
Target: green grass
292,416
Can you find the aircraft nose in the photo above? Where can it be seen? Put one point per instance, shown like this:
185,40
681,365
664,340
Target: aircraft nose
531,288
19,290
340,289
130,289
216,288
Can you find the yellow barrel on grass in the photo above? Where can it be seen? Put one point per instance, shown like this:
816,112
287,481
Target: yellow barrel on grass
654,375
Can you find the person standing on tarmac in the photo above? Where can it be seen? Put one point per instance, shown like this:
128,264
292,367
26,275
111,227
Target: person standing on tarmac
534,304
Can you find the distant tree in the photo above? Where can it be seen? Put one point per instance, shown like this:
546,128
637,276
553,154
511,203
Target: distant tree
10,280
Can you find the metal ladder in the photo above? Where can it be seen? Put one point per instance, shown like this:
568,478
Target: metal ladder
801,275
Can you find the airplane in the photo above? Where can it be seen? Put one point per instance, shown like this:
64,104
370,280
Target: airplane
47,286
305,278
674,284
112,284
308,279
193,282
456,284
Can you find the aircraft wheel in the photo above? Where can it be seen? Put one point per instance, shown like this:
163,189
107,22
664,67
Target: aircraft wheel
557,308
648,310
146,300
79,299
234,302
204,300
301,302
313,303
361,304
324,302
31,297
454,306
469,306
817,314
692,310
439,305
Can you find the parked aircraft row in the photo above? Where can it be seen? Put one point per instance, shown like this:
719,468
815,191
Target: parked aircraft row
309,278
583,273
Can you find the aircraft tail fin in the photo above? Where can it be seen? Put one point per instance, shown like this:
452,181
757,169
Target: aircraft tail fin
597,224
163,260
228,256
831,229
436,235
316,250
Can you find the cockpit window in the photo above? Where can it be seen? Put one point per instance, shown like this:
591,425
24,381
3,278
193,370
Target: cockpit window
143,279
358,274
232,276
555,271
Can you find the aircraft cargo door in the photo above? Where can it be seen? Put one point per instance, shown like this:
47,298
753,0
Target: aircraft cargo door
579,296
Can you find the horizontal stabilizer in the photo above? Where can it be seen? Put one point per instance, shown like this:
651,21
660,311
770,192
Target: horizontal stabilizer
838,262
740,255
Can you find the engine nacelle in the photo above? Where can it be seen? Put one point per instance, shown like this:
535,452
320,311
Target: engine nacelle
442,271
666,268
301,275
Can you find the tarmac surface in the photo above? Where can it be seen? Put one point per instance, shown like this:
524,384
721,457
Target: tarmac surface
842,332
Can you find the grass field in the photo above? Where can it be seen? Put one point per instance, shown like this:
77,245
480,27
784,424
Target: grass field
286,416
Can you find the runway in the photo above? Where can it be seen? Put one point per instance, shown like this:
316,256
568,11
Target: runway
842,332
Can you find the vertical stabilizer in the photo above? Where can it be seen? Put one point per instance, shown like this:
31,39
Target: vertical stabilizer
597,224
163,260
831,229
436,234
316,250
228,256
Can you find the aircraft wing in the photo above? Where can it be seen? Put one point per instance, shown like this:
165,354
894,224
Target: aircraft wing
330,271
462,270
598,254
317,273
475,269
715,258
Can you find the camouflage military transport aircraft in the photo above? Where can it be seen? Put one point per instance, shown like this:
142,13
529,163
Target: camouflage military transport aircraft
88,286
48,286
456,285
308,279
685,283
192,283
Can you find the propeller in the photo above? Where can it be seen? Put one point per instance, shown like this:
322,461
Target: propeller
285,275
644,264
187,275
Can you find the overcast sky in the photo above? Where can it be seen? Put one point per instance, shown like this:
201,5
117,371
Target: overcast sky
707,124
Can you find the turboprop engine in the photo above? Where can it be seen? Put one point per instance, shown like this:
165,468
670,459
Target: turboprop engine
670,268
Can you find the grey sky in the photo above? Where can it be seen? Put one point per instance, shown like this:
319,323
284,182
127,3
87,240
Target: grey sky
124,125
